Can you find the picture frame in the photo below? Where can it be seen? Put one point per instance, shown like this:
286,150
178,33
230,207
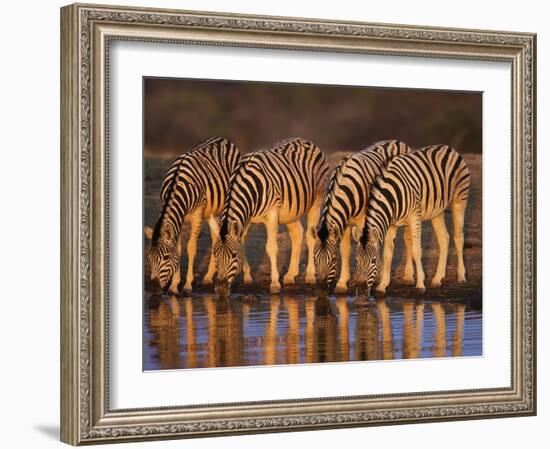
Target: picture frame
87,31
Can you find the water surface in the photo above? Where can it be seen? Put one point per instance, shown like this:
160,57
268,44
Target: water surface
206,331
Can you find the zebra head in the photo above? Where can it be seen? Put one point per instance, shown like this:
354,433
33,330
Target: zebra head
228,254
163,256
368,260
325,253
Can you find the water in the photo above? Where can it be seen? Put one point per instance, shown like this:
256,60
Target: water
206,331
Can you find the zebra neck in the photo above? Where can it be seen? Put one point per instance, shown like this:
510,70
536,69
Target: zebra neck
235,210
227,222
169,218
378,222
327,227
332,218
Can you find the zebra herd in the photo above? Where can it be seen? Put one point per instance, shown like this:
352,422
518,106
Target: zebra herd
368,196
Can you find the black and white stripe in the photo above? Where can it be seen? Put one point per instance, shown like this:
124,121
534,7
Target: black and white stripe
345,206
415,187
193,188
276,186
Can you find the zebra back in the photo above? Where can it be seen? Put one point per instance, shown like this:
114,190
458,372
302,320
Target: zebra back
349,185
288,176
199,177
424,182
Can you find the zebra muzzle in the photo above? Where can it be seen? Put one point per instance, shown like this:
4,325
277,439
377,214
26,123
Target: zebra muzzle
222,288
321,292
361,290
156,283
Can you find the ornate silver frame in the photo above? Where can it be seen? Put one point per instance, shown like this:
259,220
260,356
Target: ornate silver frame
86,32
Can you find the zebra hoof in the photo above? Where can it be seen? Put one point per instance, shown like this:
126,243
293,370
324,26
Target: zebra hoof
310,280
207,281
289,280
248,280
436,283
421,289
461,279
408,280
339,289
275,287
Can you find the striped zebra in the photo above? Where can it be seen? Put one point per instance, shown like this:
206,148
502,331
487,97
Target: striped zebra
276,186
415,187
345,206
193,188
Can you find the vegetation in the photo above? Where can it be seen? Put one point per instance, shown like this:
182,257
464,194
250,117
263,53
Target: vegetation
179,113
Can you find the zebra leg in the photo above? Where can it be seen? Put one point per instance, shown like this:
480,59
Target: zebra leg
214,233
296,232
176,278
442,236
416,231
458,209
389,245
312,219
272,226
345,252
196,221
247,278
408,272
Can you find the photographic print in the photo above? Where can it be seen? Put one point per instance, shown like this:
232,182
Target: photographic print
256,200
305,223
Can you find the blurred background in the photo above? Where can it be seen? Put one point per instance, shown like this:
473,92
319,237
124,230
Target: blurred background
179,113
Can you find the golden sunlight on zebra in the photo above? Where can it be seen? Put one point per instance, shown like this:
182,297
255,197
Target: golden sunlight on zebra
415,187
345,206
369,195
273,187
193,189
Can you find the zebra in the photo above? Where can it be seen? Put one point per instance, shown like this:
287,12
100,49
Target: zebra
415,187
276,186
345,206
193,189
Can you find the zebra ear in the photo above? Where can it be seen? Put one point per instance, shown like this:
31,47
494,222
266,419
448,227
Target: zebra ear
356,233
313,232
334,232
148,232
374,236
235,229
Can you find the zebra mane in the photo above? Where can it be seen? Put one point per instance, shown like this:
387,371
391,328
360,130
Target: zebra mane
379,226
334,179
156,230
224,228
170,181
204,143
285,142
159,225
167,200
364,235
336,176
322,232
